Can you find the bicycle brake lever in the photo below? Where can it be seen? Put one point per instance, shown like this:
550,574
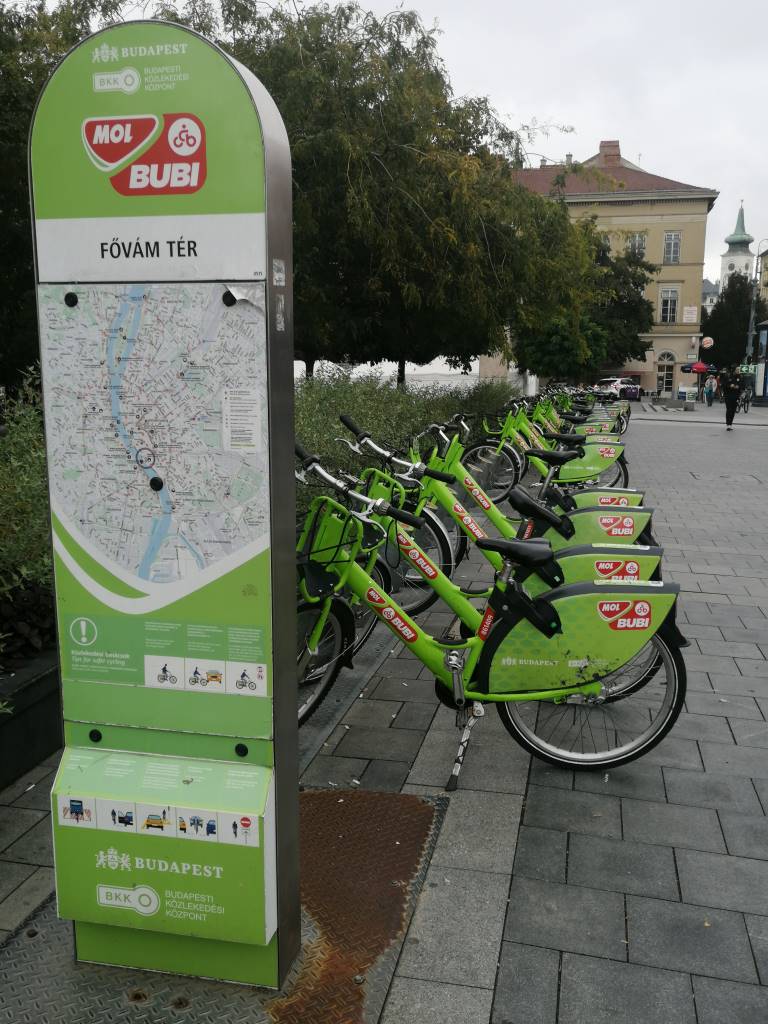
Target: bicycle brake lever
300,475
352,446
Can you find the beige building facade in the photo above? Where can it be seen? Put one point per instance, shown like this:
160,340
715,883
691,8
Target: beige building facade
663,219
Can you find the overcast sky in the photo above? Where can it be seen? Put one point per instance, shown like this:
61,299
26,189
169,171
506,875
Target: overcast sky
682,85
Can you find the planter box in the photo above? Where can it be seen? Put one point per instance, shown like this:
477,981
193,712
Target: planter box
32,731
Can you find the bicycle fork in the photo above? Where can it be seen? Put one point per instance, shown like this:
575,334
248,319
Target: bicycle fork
466,715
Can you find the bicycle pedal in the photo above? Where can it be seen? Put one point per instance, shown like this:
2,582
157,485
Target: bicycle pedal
478,711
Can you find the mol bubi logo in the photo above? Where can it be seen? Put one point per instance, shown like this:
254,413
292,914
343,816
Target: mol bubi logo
612,499
621,615
617,526
146,158
420,560
607,453
617,569
382,607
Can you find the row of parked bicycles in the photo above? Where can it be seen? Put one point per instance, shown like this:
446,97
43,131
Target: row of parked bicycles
574,640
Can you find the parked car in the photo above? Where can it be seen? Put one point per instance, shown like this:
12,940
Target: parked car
622,387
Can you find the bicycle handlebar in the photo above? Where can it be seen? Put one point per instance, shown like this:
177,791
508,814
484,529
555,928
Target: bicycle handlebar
435,474
306,460
350,424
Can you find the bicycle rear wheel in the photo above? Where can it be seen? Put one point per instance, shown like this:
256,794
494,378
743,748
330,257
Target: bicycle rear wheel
639,705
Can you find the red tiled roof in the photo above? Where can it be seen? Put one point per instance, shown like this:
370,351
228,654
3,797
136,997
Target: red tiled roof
592,180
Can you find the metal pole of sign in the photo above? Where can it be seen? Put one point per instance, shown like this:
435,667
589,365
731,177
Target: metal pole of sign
161,199
753,302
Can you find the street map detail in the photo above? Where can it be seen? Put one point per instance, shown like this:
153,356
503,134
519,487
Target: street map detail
156,417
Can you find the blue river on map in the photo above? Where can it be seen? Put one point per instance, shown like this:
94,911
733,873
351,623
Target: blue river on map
130,311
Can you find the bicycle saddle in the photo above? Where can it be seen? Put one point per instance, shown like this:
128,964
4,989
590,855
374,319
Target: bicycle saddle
571,440
520,551
555,458
573,417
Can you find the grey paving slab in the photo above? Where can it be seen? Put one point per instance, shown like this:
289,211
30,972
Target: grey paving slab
750,667
673,752
38,796
12,875
746,835
730,649
34,847
387,776
725,1002
697,662
24,784
454,903
493,763
526,987
381,713
381,743
607,992
757,929
747,685
545,774
703,726
730,705
479,832
730,759
646,821
328,770
749,733
622,866
26,898
734,883
415,715
573,811
14,822
566,917
637,779
405,690
709,789
695,939
429,1002
541,853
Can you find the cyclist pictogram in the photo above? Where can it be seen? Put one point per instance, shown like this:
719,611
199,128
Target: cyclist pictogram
184,136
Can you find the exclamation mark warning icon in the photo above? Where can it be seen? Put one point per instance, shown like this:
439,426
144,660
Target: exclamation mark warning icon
83,631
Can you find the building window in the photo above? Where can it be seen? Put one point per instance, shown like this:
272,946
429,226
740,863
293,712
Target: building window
731,266
636,244
665,373
671,246
669,306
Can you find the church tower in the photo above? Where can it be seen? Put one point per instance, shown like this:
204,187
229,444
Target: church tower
738,258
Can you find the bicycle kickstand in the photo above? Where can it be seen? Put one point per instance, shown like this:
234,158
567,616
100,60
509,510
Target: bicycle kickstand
466,716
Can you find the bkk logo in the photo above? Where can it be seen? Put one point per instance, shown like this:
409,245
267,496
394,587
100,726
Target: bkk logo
622,615
618,569
174,164
617,526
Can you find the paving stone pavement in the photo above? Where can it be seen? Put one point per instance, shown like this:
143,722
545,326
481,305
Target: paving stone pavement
638,896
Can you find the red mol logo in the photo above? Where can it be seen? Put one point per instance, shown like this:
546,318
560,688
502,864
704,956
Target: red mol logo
621,615
375,598
609,499
618,569
617,526
173,164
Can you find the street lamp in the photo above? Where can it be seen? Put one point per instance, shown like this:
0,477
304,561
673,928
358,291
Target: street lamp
753,303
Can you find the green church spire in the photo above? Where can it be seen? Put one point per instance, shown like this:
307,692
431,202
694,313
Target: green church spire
740,238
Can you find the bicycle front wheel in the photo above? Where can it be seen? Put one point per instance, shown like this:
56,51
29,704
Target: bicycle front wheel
408,587
639,705
496,472
319,670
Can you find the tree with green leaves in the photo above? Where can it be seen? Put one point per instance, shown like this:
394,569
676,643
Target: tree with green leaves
728,321
601,327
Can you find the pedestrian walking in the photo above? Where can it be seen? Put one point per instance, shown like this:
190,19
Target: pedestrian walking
731,385
710,386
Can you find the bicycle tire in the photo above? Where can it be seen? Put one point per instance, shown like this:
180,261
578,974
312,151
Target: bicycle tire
522,719
497,472
407,586
335,644
365,617
456,536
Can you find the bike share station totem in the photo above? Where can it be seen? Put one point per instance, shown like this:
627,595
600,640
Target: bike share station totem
161,195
